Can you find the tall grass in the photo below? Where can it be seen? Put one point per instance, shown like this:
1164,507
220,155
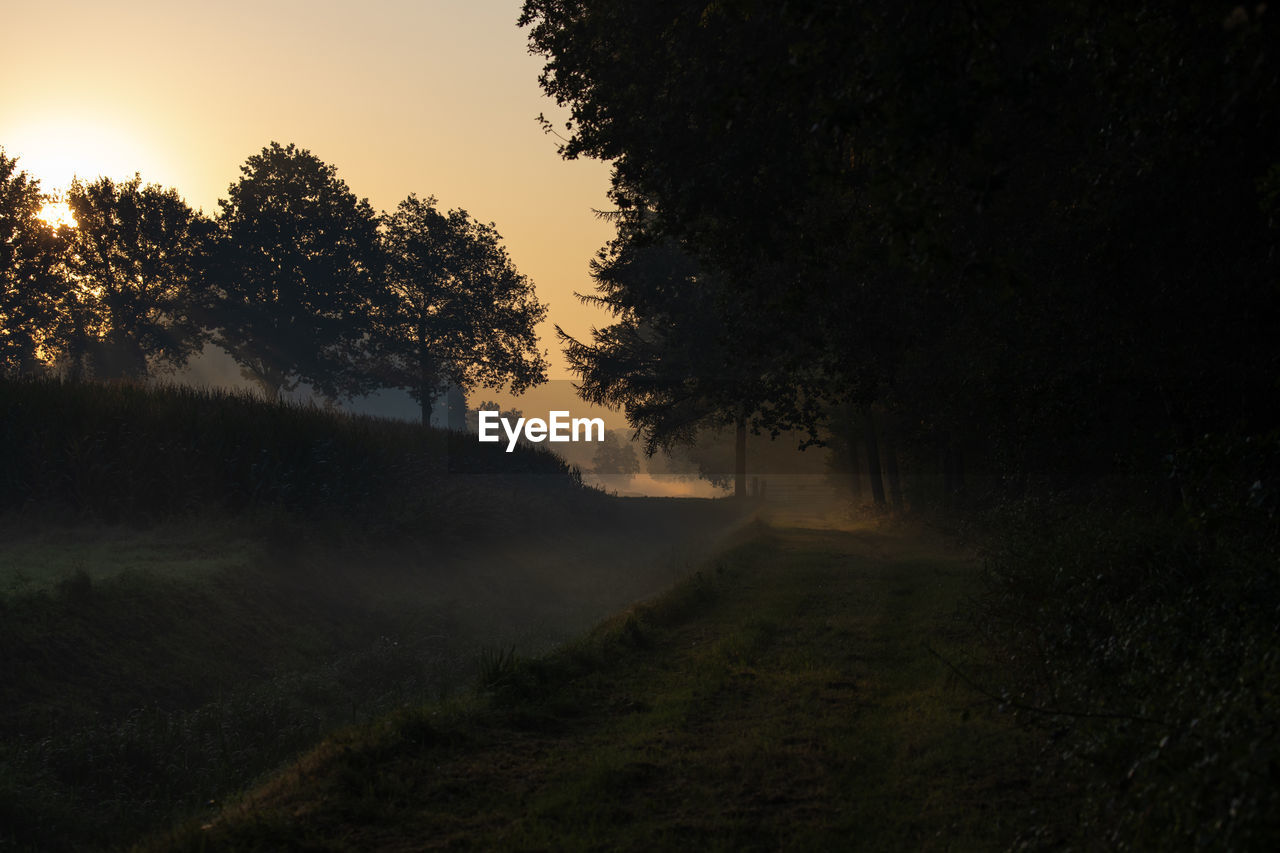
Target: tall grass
126,699
76,776
120,452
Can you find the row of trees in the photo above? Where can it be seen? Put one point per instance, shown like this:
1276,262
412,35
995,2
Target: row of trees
296,278
1044,241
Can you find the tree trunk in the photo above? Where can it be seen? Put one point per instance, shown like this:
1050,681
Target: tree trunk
740,459
426,397
426,400
457,416
873,458
426,374
270,381
426,384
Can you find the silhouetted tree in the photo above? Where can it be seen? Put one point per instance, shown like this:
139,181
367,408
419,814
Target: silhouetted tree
138,261
967,212
728,168
716,116
615,457
675,359
457,313
296,272
33,282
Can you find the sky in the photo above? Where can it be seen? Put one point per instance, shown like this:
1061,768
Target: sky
434,97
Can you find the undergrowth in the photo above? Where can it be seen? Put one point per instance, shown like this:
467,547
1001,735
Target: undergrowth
131,700
1146,643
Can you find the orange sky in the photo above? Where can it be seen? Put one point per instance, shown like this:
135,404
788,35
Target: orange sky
437,97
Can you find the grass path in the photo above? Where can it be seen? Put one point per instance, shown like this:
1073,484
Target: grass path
784,698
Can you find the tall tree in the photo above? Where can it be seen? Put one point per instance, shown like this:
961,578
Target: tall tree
138,260
971,211
707,112
684,354
33,283
458,313
672,360
295,268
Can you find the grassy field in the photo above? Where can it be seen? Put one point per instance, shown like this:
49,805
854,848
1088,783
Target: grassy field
40,557
197,586
147,671
788,696
196,589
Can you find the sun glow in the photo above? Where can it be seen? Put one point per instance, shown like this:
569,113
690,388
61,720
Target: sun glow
57,149
58,215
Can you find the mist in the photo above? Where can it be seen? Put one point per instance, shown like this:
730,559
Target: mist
936,357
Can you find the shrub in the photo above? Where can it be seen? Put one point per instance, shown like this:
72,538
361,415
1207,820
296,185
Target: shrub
1146,643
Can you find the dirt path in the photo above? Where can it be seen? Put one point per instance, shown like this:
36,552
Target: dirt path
787,698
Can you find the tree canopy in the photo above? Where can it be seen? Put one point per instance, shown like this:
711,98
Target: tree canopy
32,284
296,279
138,258
669,360
1042,233
457,311
296,269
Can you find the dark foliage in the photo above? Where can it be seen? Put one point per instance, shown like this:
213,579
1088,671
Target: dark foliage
1147,648
125,453
615,456
669,359
1046,237
138,260
33,289
296,270
1042,242
457,312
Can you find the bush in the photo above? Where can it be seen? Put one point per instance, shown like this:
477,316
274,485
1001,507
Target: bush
1145,641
